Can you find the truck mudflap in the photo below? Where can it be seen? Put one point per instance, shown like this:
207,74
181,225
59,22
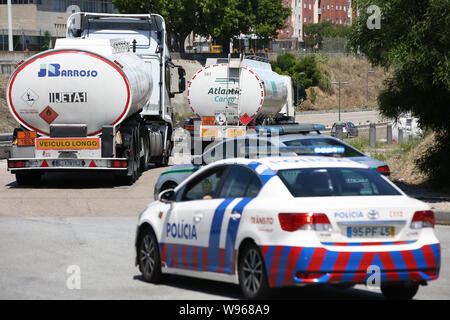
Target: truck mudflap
24,164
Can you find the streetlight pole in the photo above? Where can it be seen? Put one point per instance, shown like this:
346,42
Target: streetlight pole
10,35
340,83
367,87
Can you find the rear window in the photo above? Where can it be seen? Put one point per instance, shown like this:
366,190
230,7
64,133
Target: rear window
334,182
319,142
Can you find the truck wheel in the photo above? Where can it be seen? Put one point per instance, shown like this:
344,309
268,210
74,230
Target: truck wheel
132,172
148,256
400,290
144,159
28,178
252,273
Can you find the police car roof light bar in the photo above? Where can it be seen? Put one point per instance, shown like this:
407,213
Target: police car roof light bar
290,128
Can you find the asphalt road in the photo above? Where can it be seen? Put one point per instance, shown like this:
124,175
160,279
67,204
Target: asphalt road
89,222
328,118
38,254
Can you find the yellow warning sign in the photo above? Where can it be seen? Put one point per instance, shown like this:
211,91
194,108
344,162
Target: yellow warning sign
210,132
67,144
235,132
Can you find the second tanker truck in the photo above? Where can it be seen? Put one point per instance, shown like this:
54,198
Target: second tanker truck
100,100
231,95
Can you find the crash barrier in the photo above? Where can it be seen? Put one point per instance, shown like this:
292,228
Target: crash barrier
5,144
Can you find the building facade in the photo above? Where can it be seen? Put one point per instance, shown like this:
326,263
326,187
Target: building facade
32,19
304,12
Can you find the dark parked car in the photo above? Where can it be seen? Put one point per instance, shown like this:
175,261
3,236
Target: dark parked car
348,129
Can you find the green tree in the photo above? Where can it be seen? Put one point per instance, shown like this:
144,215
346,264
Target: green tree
45,41
414,42
317,32
304,69
220,19
225,19
181,16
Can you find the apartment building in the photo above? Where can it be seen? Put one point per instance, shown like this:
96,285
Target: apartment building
305,12
32,18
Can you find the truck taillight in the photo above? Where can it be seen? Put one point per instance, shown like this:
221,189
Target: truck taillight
423,219
118,164
384,170
304,221
17,164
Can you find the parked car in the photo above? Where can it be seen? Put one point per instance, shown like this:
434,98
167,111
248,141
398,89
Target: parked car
348,129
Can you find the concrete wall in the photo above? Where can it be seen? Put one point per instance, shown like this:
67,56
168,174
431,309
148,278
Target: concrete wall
24,17
28,20
9,59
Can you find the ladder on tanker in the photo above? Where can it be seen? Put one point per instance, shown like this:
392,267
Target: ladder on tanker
233,76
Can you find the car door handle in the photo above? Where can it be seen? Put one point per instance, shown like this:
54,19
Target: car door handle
235,216
198,217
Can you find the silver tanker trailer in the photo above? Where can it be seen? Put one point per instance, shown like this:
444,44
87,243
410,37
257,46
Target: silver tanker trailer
100,100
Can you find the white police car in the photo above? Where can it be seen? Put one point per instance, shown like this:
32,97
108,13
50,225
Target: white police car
288,221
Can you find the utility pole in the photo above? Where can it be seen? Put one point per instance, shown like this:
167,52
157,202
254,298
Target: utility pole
367,87
10,35
340,83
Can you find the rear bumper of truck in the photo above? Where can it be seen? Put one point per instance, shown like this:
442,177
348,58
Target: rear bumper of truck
44,164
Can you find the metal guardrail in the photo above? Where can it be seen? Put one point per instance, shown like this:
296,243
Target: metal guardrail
5,145
6,137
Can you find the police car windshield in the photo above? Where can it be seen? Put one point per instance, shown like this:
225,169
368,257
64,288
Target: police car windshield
318,142
332,182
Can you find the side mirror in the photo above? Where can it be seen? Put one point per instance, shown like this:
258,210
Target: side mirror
181,72
167,196
181,84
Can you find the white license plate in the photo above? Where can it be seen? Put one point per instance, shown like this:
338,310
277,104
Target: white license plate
370,232
69,163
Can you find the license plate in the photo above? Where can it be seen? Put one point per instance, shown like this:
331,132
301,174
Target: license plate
69,163
370,232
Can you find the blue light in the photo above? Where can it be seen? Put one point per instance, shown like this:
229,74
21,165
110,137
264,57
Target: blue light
329,149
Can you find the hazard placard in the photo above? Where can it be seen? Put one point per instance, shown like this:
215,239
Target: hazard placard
48,115
245,119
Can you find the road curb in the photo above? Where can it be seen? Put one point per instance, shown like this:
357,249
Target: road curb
442,217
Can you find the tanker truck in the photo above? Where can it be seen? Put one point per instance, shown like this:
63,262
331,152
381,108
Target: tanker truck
231,95
99,100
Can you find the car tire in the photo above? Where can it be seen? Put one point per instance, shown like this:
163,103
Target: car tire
400,291
149,260
252,273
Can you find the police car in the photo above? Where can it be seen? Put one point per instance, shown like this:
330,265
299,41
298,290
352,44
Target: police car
290,136
286,221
